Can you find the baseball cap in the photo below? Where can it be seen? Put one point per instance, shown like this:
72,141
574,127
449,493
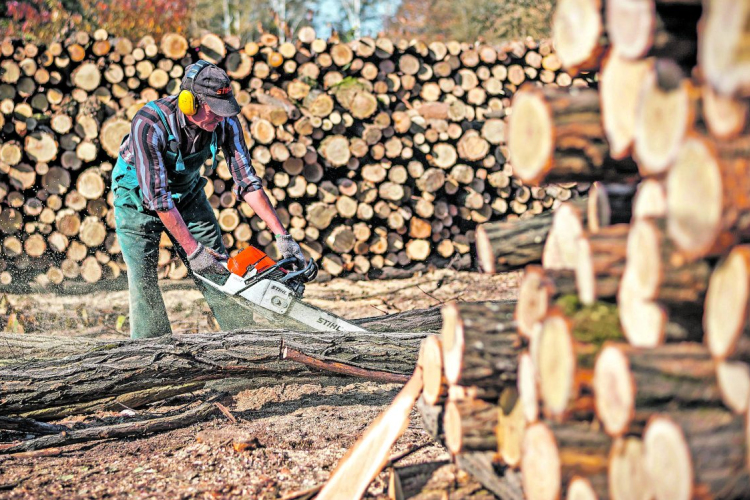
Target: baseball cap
213,86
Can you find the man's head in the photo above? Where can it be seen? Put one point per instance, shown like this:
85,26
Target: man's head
213,91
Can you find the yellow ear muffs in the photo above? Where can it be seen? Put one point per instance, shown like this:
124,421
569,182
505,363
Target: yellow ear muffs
187,102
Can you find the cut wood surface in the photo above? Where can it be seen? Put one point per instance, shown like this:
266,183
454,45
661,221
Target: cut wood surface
725,318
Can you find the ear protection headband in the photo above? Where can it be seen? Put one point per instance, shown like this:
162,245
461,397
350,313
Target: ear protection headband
187,100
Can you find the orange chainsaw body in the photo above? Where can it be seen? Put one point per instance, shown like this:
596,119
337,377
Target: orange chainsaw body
248,259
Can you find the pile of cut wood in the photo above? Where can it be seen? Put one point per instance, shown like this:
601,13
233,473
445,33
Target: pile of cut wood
622,371
377,153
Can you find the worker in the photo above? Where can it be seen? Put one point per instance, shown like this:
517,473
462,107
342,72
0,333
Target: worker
158,186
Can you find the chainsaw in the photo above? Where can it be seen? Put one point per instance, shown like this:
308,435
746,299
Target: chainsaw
273,290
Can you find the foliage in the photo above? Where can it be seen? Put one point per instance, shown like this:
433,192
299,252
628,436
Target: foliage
47,20
472,20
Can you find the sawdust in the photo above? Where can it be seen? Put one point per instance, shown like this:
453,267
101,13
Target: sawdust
295,433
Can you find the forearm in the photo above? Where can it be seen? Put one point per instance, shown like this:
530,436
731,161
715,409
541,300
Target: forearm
173,221
261,205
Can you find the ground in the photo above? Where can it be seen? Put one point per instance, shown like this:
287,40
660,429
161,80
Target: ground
295,433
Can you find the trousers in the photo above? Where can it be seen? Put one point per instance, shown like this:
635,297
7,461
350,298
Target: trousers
139,233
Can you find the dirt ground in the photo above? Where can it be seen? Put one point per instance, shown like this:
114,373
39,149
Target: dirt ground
296,433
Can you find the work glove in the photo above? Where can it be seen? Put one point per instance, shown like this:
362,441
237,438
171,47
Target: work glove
206,261
290,248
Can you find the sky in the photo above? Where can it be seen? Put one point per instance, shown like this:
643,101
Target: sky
331,10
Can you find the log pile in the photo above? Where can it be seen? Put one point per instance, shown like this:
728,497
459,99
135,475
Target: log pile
627,352
378,154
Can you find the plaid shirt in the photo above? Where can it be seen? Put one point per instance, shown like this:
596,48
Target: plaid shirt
148,139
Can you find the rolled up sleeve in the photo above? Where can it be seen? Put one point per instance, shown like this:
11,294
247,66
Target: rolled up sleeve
238,159
149,142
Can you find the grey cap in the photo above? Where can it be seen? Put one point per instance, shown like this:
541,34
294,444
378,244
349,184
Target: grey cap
213,86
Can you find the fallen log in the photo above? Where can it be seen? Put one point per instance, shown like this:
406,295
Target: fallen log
122,367
117,431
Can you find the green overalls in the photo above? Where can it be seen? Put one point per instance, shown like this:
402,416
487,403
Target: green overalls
139,232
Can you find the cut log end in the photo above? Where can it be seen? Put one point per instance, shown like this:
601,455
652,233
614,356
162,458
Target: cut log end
580,489
557,365
576,30
695,175
643,268
540,464
650,200
664,118
530,137
561,247
533,300
620,93
667,458
725,116
734,384
628,478
452,426
453,343
630,27
585,277
527,387
485,255
643,322
432,370
726,306
614,390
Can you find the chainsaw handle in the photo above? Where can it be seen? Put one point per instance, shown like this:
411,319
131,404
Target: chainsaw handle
306,274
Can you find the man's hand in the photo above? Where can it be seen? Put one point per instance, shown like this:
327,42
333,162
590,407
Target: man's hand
206,261
290,248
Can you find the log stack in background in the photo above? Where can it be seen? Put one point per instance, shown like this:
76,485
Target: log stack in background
378,154
631,331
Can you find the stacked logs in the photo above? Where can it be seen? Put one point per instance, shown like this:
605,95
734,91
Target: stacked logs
377,153
632,320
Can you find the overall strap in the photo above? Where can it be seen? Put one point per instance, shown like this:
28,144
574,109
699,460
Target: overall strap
214,146
170,137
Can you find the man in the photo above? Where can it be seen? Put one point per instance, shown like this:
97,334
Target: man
157,186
